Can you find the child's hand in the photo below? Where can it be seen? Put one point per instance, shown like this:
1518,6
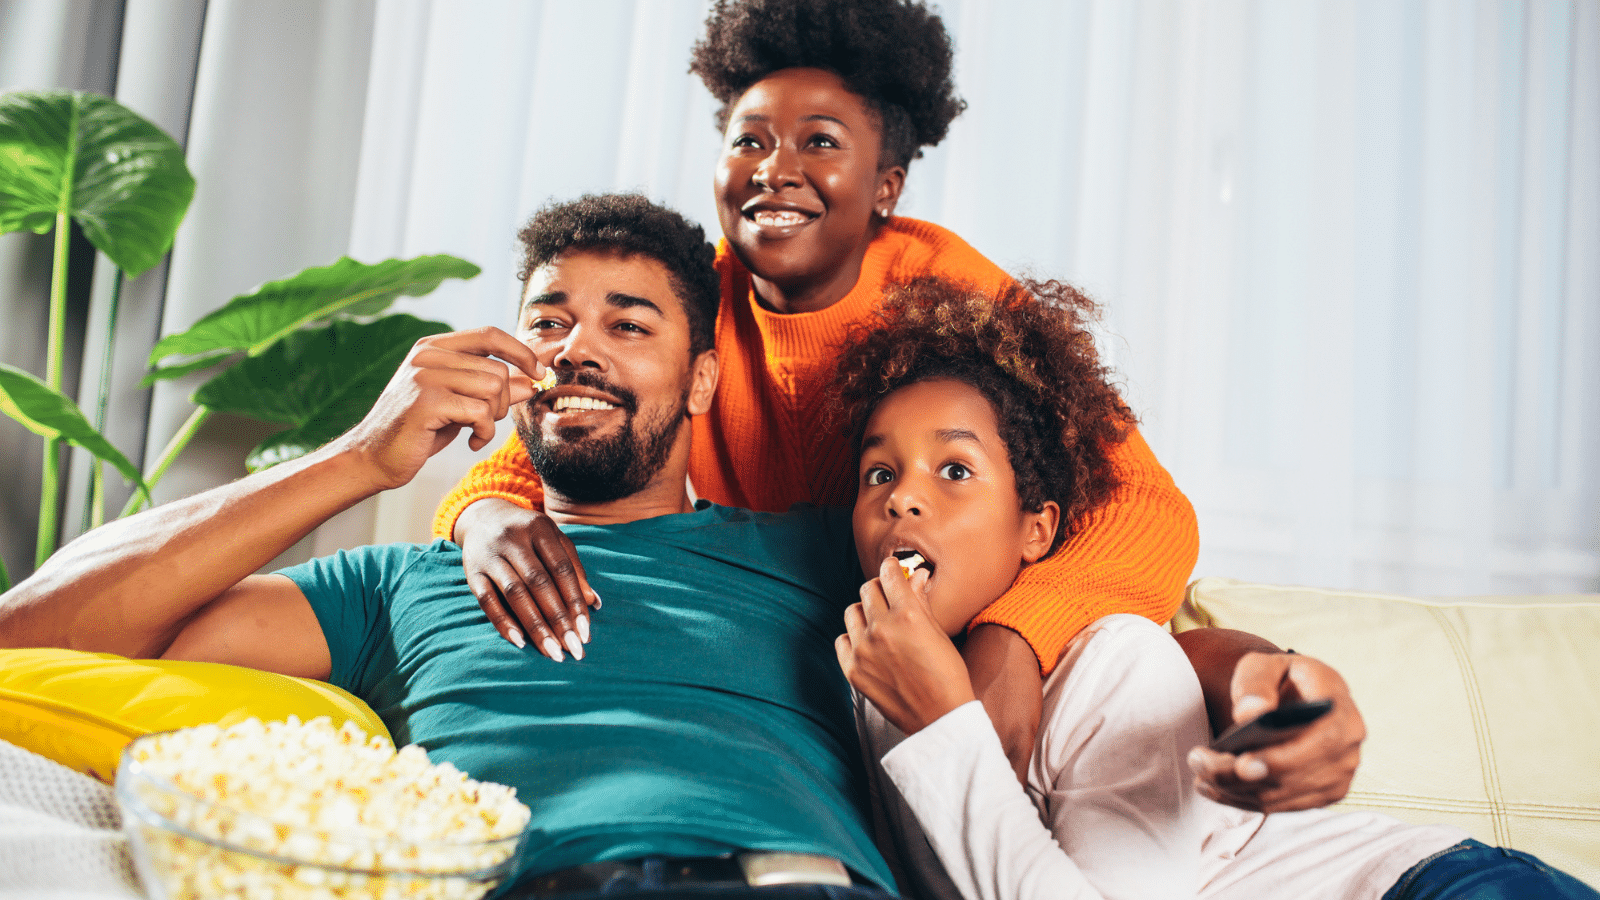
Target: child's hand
897,655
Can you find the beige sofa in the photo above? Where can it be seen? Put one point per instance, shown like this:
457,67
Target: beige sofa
1481,712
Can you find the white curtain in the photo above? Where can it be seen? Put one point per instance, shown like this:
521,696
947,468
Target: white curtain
1347,249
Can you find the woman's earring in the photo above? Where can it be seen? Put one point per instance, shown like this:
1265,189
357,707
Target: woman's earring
883,214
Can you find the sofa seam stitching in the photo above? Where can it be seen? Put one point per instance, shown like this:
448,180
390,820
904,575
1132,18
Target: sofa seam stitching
1486,757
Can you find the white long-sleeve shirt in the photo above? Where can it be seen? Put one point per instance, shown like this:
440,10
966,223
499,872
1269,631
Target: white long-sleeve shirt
1110,810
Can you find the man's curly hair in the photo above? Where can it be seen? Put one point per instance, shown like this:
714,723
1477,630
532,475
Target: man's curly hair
630,224
1027,351
893,53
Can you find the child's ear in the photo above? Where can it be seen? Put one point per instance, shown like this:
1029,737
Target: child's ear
1039,531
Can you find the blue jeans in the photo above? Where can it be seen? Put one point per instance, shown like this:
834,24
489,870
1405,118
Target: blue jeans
1476,871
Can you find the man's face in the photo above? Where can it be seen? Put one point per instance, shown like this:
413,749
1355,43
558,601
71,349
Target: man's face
616,334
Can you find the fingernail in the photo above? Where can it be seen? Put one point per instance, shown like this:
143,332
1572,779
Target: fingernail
553,650
516,637
583,628
575,645
598,602
1250,706
1251,768
1197,759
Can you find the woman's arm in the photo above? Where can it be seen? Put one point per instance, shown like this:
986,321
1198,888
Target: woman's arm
524,572
1243,676
1132,555
507,474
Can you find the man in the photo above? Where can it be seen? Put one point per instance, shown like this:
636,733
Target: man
712,719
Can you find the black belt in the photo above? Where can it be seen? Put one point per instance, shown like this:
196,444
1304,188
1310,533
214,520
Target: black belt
751,868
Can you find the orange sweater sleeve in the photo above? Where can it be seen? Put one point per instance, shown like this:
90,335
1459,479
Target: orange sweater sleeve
506,474
1133,555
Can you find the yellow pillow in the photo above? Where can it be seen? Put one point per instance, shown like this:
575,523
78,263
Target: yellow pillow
1481,712
80,709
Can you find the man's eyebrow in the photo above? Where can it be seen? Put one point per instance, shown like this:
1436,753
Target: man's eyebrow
548,298
616,299
628,301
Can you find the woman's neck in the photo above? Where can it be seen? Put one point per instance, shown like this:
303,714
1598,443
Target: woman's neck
810,295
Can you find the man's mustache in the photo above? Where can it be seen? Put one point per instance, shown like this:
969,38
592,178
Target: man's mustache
626,399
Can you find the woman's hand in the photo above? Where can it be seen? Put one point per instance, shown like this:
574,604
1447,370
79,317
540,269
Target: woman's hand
523,570
1310,770
1005,676
897,655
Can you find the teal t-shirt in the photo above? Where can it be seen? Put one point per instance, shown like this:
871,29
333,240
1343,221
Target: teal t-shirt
709,713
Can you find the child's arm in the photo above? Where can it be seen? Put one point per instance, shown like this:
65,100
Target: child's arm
1115,710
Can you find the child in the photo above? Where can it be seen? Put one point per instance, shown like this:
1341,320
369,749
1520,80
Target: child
982,426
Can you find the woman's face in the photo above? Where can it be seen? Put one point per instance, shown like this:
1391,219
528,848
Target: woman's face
936,479
799,189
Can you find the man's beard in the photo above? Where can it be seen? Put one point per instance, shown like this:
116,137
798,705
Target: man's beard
598,470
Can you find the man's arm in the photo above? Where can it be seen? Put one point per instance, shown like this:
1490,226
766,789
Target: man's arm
175,580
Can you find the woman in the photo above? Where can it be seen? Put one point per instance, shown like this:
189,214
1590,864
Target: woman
825,106
982,425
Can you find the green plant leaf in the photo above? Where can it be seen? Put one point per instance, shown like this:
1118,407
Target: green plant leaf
319,380
253,322
122,178
193,365
52,414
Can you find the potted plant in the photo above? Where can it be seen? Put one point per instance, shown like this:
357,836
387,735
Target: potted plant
311,351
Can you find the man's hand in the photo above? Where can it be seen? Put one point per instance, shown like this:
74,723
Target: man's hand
448,382
1005,676
525,571
895,653
1310,770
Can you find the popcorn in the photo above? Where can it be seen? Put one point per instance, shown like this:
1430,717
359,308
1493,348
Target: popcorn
910,563
310,811
545,383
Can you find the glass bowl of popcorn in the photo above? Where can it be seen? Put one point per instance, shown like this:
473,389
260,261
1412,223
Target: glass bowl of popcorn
304,810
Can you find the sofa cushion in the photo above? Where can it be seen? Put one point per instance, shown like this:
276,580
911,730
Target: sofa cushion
81,709
1481,712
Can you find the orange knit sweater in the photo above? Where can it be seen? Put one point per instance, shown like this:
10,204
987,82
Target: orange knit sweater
764,446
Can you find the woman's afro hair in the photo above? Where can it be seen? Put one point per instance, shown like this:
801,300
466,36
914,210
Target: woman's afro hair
631,225
1026,349
893,53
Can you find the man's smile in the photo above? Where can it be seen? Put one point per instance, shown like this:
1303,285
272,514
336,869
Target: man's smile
562,404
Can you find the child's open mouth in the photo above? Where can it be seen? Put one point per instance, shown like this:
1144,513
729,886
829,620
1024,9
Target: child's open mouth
911,560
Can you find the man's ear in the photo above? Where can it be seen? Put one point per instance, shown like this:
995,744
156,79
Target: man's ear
702,382
1039,531
891,182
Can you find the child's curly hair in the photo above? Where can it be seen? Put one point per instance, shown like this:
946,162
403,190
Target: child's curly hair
1027,351
893,53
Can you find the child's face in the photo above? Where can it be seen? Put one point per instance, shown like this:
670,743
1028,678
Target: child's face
936,479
